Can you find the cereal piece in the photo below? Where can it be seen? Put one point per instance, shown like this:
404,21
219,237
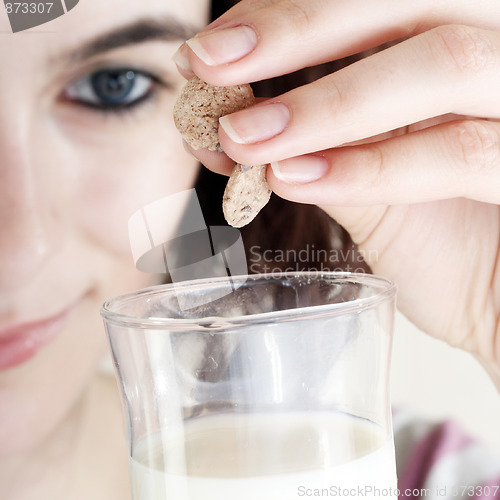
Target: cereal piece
246,193
196,115
199,107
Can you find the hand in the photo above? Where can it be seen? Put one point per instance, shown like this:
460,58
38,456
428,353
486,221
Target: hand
402,147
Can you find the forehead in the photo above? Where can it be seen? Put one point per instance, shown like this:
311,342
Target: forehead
90,19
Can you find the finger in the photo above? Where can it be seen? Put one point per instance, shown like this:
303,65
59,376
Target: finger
181,57
241,8
455,159
181,60
451,69
259,40
249,44
215,161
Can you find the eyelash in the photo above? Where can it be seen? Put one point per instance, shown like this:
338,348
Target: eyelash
95,103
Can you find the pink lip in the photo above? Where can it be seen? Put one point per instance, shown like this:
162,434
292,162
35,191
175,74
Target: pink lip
19,343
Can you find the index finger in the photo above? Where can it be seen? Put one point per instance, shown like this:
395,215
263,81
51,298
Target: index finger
257,40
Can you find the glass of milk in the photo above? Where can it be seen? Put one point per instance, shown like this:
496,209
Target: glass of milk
270,386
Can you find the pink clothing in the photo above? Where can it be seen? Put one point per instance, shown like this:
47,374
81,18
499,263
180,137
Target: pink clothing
440,462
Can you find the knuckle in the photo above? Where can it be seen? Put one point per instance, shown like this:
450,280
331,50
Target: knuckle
336,94
297,14
462,48
378,164
376,176
476,144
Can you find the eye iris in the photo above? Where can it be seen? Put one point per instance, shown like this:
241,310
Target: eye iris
113,86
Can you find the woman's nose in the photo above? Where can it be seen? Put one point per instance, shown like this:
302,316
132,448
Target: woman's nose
27,237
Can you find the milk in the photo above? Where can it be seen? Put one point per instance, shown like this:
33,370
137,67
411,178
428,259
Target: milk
275,456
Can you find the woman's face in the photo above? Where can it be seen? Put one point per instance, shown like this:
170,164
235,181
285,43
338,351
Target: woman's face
86,139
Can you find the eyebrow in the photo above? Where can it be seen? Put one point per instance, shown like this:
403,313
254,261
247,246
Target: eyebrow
144,30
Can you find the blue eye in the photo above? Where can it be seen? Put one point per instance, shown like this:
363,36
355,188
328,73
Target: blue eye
111,88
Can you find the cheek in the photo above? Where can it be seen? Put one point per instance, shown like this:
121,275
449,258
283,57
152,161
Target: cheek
124,181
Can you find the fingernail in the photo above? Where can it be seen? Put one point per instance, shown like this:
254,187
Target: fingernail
180,58
300,170
256,124
187,148
223,46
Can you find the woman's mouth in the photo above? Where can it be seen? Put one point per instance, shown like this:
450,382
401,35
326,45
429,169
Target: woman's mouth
20,342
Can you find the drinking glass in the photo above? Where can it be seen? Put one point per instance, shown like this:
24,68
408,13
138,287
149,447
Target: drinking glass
271,386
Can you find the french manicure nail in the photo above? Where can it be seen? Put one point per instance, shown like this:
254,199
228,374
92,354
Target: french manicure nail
187,148
301,169
223,46
256,124
180,58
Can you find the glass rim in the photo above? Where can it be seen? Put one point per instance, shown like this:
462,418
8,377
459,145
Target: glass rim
387,291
